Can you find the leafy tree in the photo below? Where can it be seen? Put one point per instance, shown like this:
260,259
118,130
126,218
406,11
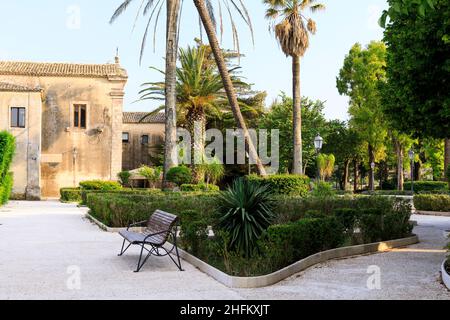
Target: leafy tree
325,163
417,95
360,78
292,30
396,7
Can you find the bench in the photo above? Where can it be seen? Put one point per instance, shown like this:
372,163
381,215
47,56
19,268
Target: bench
158,229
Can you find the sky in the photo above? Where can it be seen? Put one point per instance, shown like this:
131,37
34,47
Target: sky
79,31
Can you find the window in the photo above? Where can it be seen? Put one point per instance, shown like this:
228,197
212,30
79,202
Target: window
79,116
18,117
125,137
144,139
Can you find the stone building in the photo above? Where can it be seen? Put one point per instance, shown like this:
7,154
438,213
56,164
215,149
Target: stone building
142,138
67,120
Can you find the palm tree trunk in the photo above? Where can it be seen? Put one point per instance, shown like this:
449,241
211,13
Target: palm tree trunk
196,123
297,121
170,151
227,83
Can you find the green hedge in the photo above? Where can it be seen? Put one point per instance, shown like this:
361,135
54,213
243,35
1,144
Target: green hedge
432,202
70,194
100,185
124,191
285,184
199,187
421,186
7,149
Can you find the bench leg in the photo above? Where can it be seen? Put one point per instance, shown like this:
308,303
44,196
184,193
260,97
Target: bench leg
139,265
122,251
176,250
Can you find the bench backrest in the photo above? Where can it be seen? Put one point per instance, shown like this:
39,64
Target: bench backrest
161,221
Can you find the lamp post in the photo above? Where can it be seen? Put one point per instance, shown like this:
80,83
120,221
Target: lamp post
318,143
411,155
372,166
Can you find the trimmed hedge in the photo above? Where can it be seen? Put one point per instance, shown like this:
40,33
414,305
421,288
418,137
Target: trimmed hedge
7,149
124,191
199,187
421,186
70,194
284,184
432,202
100,185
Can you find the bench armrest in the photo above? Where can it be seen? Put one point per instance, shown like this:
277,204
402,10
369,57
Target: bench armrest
140,223
157,233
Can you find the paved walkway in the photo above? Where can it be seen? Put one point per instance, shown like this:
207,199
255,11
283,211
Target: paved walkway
44,246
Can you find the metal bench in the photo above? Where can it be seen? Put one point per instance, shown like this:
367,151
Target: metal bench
159,228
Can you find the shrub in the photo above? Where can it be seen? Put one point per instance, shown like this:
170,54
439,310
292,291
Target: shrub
179,175
432,202
70,194
322,190
100,185
284,184
447,176
213,170
7,149
421,186
124,191
199,187
194,232
124,178
153,175
245,212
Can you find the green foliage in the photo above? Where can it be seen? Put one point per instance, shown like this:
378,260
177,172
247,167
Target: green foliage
194,231
124,178
153,175
245,212
179,175
398,8
201,187
124,191
425,186
100,185
432,202
416,97
447,176
322,189
70,195
213,170
7,149
325,163
285,184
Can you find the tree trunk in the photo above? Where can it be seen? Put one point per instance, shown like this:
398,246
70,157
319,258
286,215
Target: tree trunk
297,121
227,83
196,123
400,159
371,160
170,149
447,159
345,177
355,175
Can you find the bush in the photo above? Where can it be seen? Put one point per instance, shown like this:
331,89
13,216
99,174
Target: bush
199,187
7,149
124,178
284,184
245,212
421,186
179,175
70,194
124,191
447,176
153,175
100,185
194,232
322,190
432,202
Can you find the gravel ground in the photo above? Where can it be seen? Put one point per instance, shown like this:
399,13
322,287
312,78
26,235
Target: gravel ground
48,250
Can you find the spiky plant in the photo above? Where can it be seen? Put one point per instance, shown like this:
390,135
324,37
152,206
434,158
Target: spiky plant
245,212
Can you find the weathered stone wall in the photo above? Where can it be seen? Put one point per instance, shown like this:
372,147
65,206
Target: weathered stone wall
134,152
26,161
69,154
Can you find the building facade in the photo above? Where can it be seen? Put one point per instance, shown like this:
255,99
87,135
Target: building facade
142,139
67,120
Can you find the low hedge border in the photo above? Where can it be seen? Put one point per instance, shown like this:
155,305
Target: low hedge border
432,202
284,184
70,195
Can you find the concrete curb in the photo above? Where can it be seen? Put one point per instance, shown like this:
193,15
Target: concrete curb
106,228
270,279
432,213
445,275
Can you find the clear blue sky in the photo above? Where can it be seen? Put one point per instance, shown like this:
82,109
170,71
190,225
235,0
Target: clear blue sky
48,30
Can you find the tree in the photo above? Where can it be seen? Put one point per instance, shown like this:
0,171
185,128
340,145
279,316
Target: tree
173,10
209,26
360,78
292,30
417,95
420,7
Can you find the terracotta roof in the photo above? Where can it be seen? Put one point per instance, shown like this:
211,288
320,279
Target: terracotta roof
61,69
143,117
10,87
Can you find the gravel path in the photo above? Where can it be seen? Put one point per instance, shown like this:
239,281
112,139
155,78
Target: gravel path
48,250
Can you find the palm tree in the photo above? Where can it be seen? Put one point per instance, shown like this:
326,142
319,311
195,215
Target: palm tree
173,9
292,30
209,26
200,93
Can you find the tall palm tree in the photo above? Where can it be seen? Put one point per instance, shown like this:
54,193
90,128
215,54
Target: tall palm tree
200,93
173,9
292,31
210,29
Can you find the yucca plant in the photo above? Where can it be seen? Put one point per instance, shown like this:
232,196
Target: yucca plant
245,211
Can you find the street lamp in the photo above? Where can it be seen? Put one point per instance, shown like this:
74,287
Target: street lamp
318,143
411,155
372,166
